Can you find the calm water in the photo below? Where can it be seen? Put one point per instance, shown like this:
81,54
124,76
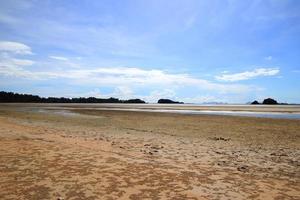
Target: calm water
210,112
193,112
281,112
244,113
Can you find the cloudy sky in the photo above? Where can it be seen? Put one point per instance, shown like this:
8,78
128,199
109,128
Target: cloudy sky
194,51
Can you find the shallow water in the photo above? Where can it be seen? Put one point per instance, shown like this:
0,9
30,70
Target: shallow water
279,115
65,112
246,114
279,112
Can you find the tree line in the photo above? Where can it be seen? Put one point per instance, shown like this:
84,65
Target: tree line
10,97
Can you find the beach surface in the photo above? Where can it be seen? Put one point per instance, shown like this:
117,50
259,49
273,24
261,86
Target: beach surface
82,151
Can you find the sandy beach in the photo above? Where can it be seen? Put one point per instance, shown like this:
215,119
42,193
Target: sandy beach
87,153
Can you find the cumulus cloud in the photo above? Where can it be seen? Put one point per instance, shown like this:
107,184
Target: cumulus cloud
259,72
14,47
129,76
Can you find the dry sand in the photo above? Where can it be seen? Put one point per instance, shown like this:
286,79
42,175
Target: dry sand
135,155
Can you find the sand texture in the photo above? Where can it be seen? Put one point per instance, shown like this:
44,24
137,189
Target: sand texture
94,154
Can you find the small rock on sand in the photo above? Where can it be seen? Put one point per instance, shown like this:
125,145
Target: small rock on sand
243,168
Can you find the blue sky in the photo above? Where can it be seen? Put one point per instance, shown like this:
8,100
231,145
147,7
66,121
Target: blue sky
194,51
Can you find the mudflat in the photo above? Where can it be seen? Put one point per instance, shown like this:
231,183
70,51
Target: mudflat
85,153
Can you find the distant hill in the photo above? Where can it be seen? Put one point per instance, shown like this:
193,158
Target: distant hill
268,101
169,101
255,102
10,97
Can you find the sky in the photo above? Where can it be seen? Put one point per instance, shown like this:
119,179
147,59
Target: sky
187,50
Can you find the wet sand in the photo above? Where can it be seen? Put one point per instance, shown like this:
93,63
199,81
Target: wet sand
97,154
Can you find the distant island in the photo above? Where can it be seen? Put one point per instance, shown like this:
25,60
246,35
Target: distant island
268,101
169,101
10,97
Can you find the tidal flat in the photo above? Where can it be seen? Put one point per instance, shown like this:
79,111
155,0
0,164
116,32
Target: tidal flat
83,151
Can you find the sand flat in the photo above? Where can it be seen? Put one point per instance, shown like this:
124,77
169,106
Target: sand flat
221,107
138,155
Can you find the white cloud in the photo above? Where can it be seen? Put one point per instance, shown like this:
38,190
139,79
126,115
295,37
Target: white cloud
128,76
59,58
248,74
120,77
201,99
19,72
125,80
123,92
137,76
14,47
159,94
8,61
10,66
